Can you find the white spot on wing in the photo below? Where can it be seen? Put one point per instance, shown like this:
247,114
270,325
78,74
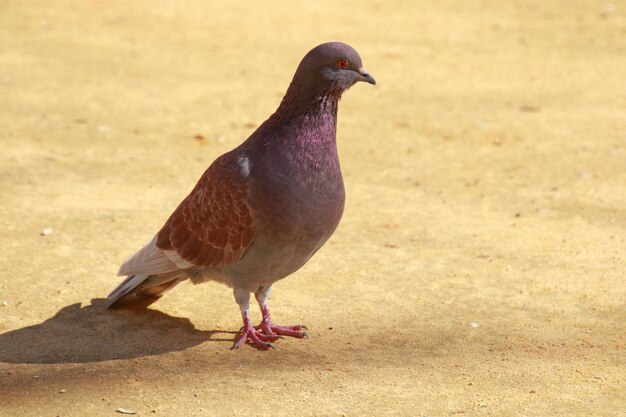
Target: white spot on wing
244,164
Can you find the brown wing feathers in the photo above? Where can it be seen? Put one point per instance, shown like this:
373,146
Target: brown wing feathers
213,225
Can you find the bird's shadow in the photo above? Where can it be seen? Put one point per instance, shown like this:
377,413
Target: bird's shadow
94,333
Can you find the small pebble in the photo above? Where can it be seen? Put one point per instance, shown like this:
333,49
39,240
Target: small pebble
529,109
474,325
4,303
62,391
124,410
46,231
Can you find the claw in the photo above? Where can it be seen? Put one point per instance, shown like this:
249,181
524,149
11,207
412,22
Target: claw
251,335
263,335
269,328
280,331
261,341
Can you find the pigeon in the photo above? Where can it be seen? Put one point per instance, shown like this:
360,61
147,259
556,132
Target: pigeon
262,210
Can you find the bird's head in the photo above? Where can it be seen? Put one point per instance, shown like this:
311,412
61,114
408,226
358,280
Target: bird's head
321,78
333,65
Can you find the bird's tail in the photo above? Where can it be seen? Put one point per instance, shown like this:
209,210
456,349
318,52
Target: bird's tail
143,290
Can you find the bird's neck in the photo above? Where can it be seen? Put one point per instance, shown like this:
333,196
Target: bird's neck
301,139
307,118
308,100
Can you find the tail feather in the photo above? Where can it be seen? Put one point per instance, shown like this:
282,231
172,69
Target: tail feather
143,289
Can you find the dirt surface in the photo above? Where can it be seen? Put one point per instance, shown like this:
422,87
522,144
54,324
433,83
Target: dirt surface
480,265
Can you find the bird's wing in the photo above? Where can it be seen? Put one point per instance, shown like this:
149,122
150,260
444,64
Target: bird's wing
213,225
151,260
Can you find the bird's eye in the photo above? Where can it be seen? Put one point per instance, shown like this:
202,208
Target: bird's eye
342,63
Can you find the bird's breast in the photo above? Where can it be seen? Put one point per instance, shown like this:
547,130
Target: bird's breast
301,201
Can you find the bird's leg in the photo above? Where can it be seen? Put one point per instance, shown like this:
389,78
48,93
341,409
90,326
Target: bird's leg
248,332
262,296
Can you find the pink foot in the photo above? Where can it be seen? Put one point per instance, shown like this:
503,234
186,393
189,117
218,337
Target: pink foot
249,333
272,330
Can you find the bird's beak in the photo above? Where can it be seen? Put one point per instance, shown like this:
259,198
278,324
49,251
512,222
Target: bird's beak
365,76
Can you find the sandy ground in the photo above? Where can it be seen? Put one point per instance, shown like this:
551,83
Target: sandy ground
480,265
